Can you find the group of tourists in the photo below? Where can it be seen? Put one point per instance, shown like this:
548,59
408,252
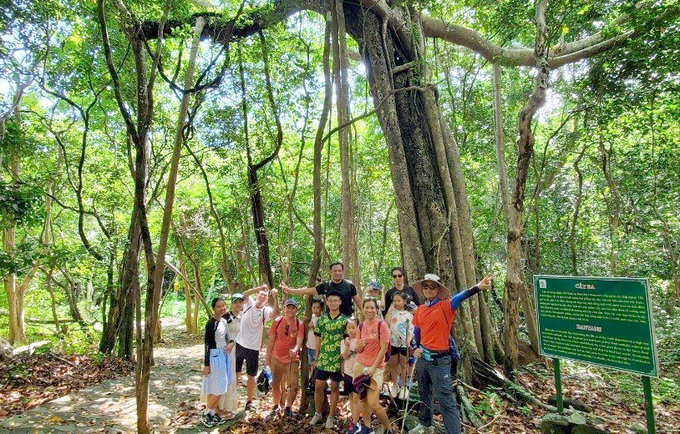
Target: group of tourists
351,340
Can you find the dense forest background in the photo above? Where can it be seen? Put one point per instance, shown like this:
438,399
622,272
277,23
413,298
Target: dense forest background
85,152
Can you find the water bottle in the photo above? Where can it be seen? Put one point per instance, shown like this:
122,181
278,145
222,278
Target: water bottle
268,374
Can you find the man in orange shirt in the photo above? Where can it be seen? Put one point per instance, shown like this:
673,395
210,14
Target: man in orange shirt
432,323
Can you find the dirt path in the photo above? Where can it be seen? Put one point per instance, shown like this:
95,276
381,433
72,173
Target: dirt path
110,407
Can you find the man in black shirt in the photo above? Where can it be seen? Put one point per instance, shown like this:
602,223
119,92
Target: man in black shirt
347,290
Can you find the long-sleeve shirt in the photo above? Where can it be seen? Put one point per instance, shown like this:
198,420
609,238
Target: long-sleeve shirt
433,320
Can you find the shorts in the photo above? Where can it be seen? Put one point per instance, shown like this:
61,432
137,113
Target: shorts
322,375
290,372
377,374
347,387
250,357
399,350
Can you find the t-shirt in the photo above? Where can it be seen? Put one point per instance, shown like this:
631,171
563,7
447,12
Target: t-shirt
252,324
401,325
345,288
331,331
435,323
372,337
348,364
286,337
311,337
408,291
221,333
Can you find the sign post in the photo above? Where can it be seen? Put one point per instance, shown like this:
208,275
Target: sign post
598,320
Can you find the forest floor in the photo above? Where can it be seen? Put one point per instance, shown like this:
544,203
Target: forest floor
109,406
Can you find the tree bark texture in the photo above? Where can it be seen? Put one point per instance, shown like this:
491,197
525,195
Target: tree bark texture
420,157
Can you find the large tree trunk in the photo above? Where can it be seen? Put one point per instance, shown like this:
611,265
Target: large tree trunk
429,193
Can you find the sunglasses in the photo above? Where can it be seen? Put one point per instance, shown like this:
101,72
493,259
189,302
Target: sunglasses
395,276
430,287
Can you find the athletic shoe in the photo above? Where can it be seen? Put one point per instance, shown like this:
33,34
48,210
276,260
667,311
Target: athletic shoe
403,393
287,412
317,418
366,430
353,428
274,412
249,405
217,419
329,422
207,420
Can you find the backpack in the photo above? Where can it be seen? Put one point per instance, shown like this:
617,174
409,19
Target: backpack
388,353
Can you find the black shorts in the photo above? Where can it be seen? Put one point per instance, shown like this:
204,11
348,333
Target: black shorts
348,386
399,350
250,356
325,375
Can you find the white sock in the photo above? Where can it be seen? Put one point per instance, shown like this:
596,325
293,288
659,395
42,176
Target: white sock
210,411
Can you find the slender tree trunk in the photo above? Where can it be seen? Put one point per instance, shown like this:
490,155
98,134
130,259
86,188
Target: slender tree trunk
316,189
48,284
574,218
514,278
613,205
340,70
15,299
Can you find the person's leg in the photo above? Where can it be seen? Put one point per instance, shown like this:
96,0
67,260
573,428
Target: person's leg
320,378
277,381
373,401
443,391
335,395
319,391
211,401
251,370
424,388
393,371
292,378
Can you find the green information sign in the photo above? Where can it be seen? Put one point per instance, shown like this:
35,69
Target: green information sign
600,320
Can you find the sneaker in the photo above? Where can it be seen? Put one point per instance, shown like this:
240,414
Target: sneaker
353,428
217,419
317,418
366,430
274,412
249,405
329,422
207,420
287,412
403,393
393,390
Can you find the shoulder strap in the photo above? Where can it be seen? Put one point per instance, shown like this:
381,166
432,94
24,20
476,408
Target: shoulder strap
276,329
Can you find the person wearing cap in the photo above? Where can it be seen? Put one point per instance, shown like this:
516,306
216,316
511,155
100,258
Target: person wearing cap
229,401
285,341
432,323
346,289
249,339
373,291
